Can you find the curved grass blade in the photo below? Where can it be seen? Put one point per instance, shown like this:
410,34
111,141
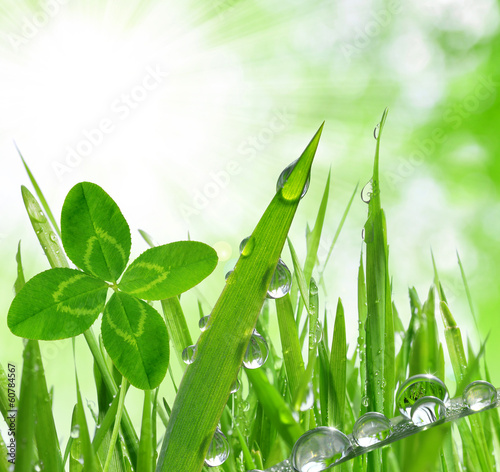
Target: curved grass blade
95,234
136,339
206,384
168,270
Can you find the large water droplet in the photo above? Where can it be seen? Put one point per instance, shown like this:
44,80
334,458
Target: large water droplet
417,387
371,429
189,354
479,394
218,450
256,353
247,245
282,179
75,432
318,449
281,281
366,192
202,324
427,410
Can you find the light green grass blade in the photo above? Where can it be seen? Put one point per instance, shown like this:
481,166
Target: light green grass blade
206,384
299,276
177,328
290,345
4,464
145,457
362,314
40,195
337,398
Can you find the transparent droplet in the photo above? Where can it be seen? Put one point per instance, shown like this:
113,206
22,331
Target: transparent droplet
417,387
376,130
38,466
245,406
53,237
308,401
246,246
202,324
256,353
366,192
37,216
236,386
371,429
365,401
427,410
318,449
281,281
189,354
282,179
479,394
218,450
75,432
228,274
316,335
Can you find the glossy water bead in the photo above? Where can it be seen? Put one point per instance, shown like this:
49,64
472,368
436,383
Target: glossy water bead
218,450
257,352
427,410
479,395
417,387
371,429
283,178
319,449
281,281
189,354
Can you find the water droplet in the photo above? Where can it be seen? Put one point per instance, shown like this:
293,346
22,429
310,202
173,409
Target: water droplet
245,406
371,429
308,401
246,246
189,354
317,335
236,386
202,324
282,179
53,237
366,192
318,449
376,131
417,387
38,466
479,395
427,410
37,216
281,281
75,432
256,353
365,401
228,274
39,231
218,450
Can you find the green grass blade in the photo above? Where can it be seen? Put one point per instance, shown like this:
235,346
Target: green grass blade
299,276
206,384
4,464
144,459
105,424
362,314
290,344
337,398
40,195
176,326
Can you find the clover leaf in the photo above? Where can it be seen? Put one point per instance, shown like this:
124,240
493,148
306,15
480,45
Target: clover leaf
61,302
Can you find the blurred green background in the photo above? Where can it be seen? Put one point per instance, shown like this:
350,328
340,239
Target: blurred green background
186,113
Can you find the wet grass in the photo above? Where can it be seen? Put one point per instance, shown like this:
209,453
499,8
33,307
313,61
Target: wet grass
308,380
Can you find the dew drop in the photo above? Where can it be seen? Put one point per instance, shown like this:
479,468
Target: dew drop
236,386
245,406
228,274
365,401
189,354
256,353
371,428
38,466
218,450
53,237
37,216
318,449
427,410
282,179
417,387
247,245
202,324
479,395
39,231
75,432
366,192
376,131
308,401
281,281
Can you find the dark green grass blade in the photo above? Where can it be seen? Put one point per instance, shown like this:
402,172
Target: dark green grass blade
40,195
206,384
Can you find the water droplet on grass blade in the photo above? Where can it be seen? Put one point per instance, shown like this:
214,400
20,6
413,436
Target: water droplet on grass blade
283,178
236,386
202,324
308,401
479,394
371,429
366,192
75,432
417,387
318,449
427,410
246,246
189,354
281,281
376,131
218,450
228,274
38,466
256,353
